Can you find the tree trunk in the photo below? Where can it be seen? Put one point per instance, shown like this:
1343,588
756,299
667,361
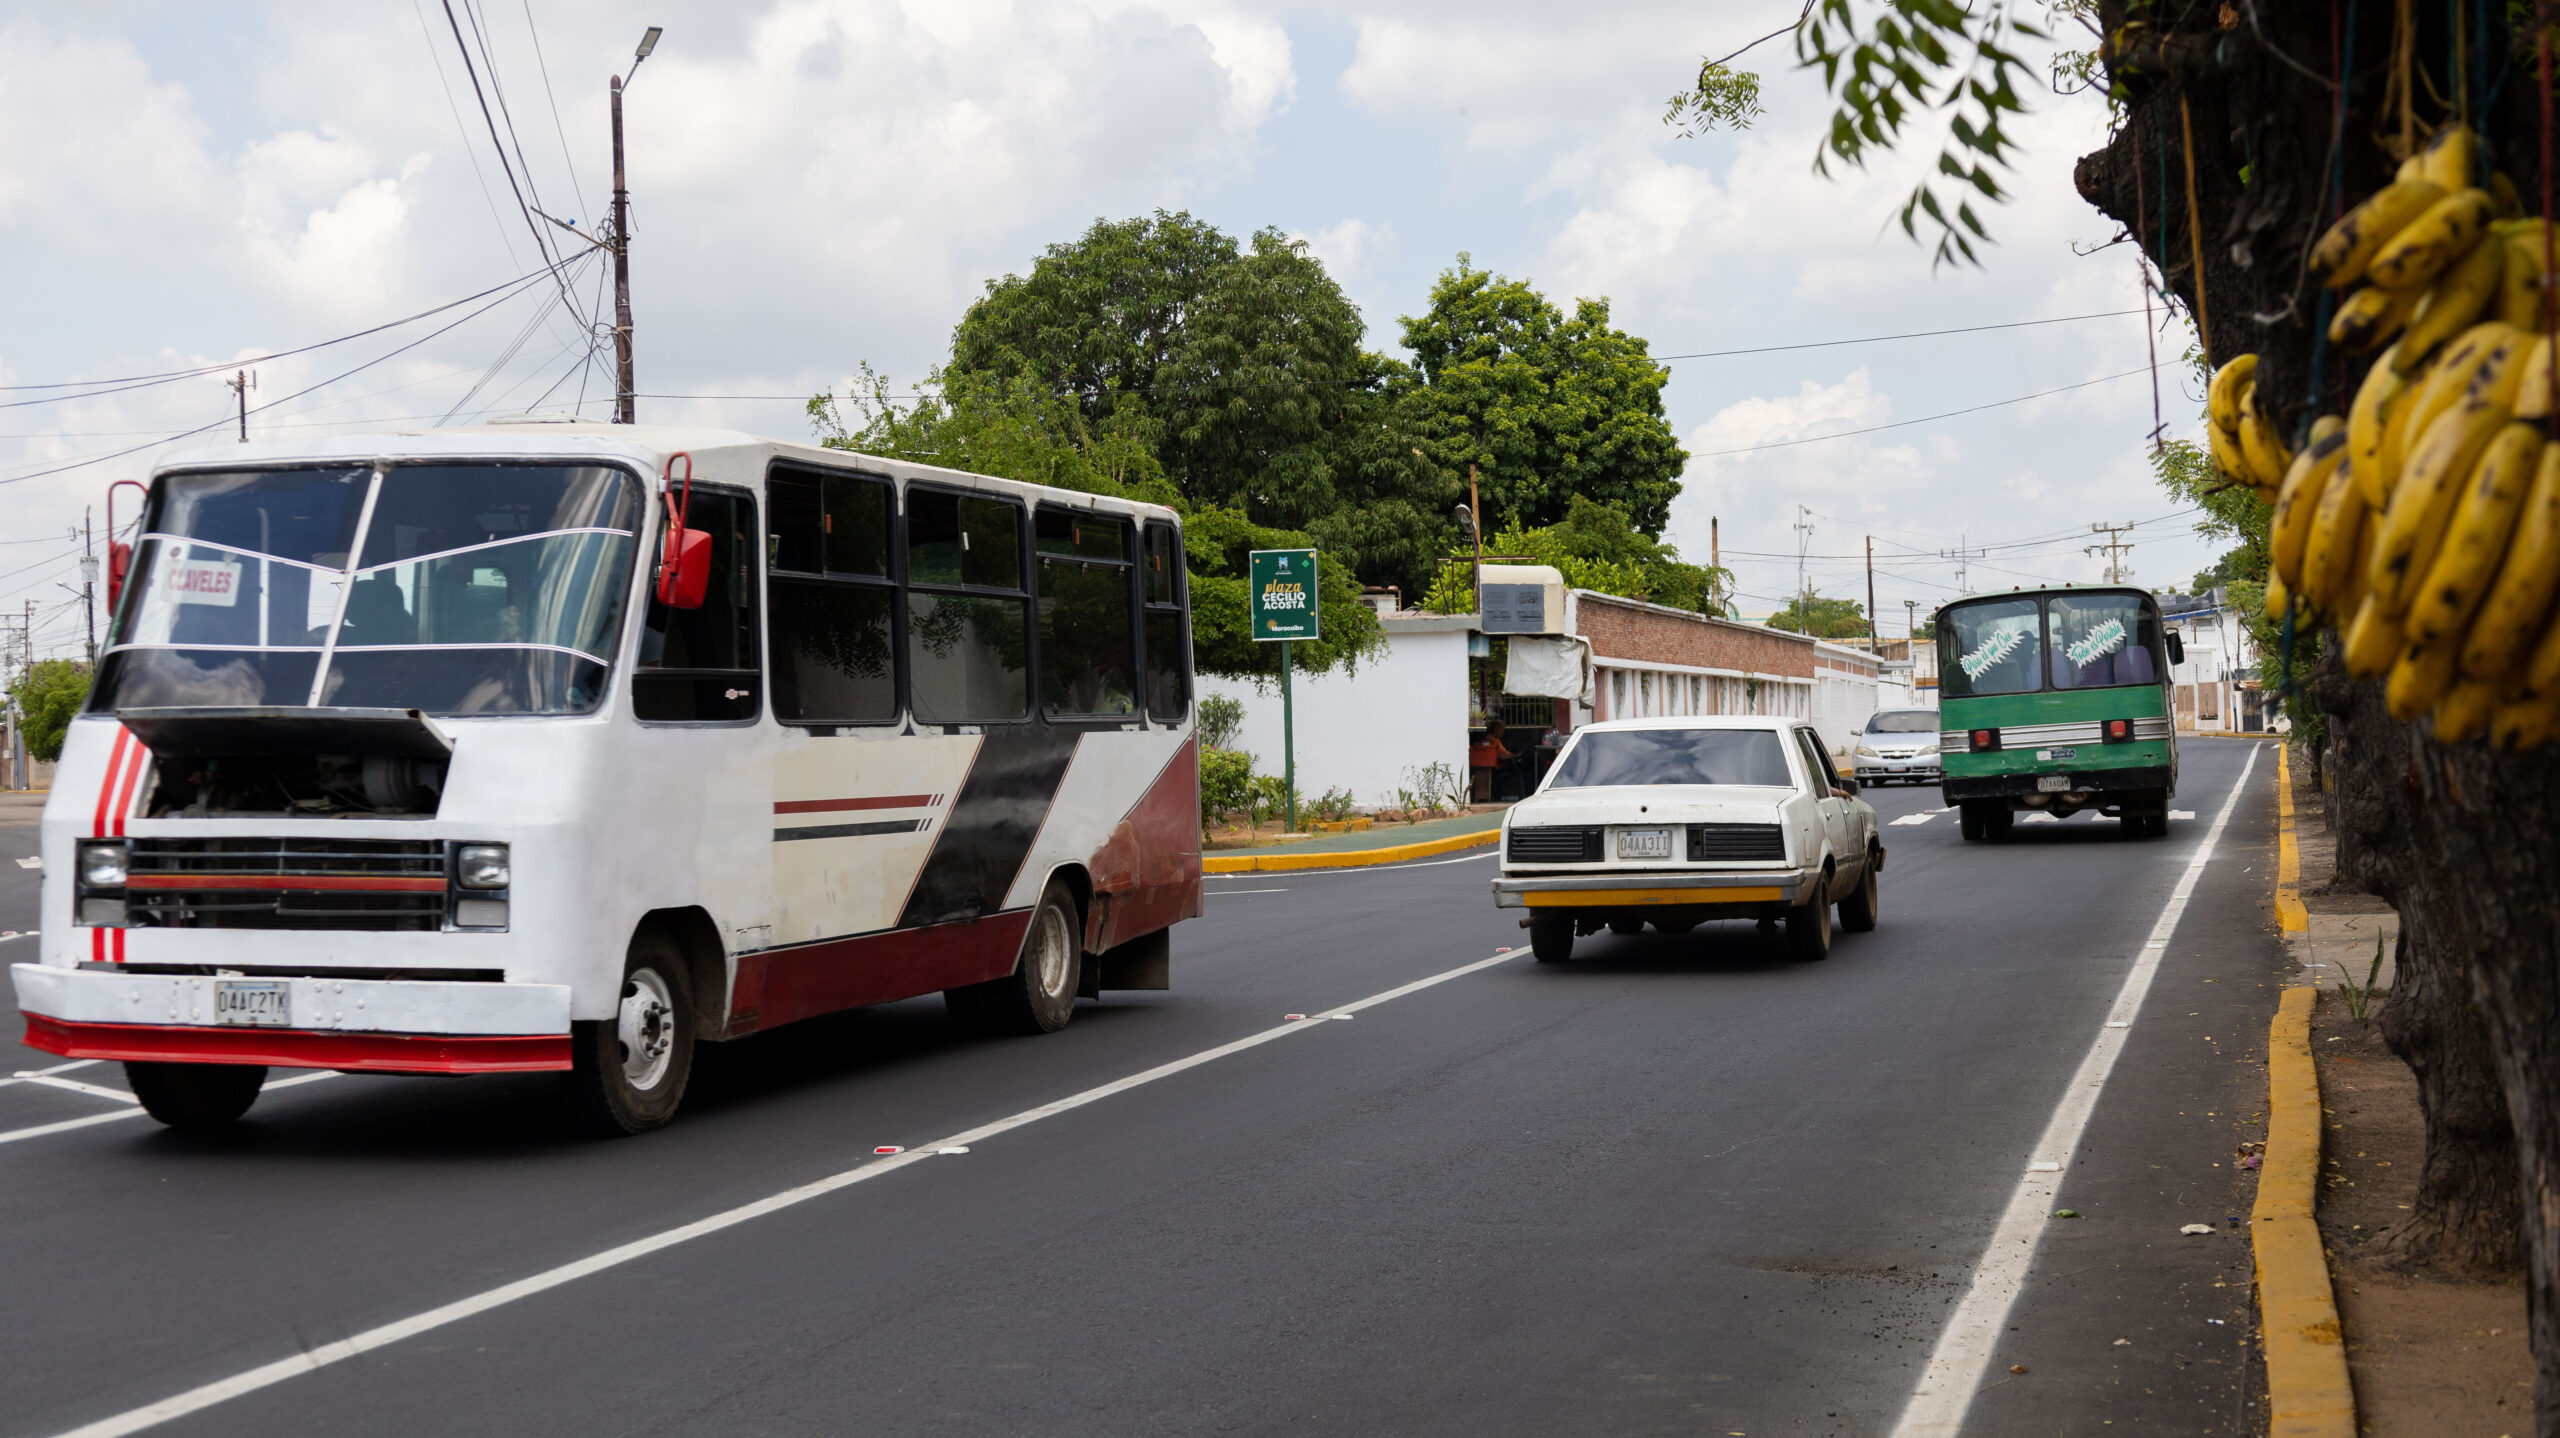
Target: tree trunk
2466,1217
2461,840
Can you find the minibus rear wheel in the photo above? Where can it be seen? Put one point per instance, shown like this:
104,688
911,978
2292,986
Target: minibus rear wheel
627,1073
195,1096
1039,996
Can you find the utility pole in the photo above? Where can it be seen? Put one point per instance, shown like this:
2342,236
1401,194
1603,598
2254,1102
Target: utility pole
89,584
1804,595
1871,594
626,405
1911,620
1960,554
240,383
2113,549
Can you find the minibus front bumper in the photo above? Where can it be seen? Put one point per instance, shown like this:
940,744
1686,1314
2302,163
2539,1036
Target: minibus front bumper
302,1021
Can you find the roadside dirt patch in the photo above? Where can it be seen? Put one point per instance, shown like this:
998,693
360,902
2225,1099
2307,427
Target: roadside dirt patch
2429,1355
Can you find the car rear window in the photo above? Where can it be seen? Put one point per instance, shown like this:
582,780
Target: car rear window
1904,721
1674,756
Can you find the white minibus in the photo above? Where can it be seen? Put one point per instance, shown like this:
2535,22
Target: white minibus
568,746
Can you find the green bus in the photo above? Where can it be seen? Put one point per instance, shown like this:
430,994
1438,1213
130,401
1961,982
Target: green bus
2054,701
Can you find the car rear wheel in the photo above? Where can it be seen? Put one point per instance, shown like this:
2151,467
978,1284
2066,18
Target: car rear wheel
1809,927
1858,911
1551,939
195,1097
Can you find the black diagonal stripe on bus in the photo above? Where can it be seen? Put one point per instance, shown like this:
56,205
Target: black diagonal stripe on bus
849,831
993,820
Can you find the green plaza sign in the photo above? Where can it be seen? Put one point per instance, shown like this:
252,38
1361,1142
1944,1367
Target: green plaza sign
1283,598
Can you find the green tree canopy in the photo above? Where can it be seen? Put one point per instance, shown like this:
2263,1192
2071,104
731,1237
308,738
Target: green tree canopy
1822,617
1240,367
49,692
1596,547
1545,406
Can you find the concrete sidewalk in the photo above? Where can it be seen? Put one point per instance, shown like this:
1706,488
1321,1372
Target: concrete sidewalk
1381,836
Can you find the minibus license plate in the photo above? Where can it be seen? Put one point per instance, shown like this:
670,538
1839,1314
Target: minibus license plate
2052,783
255,1003
1644,843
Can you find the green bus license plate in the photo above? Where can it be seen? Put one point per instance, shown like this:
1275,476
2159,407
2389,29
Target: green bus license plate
253,1003
2052,783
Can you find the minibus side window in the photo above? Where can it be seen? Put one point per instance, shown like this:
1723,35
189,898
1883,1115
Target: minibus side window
968,613
1168,626
699,665
831,608
1088,659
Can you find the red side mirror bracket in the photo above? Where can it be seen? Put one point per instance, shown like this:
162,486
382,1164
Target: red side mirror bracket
684,566
119,552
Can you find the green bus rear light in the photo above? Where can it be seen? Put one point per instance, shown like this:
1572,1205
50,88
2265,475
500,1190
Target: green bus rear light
1985,740
2119,730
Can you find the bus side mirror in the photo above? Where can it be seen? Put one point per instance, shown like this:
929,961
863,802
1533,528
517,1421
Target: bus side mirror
119,563
685,569
2177,649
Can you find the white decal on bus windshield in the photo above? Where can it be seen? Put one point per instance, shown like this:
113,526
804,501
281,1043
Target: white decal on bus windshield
205,581
2106,639
1991,651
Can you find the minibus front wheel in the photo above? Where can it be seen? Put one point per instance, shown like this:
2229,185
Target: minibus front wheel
195,1096
627,1073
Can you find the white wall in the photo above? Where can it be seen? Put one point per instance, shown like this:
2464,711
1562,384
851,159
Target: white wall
1402,711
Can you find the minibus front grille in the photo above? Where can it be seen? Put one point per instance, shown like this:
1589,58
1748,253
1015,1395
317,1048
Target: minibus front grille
378,885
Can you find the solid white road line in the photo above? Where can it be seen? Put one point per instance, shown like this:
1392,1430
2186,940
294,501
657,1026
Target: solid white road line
44,1130
1938,1404
19,934
75,1086
1213,893
1922,817
312,1359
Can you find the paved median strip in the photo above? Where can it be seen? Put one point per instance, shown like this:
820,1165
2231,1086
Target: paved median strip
2308,1394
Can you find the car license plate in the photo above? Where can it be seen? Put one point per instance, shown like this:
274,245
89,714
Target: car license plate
1644,843
2052,783
265,1004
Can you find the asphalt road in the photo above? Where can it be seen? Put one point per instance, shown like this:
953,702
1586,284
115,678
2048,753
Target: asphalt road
1677,1186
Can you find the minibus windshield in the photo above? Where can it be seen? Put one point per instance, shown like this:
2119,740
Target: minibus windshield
452,588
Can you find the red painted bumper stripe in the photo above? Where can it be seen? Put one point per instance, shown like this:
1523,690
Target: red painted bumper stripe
840,806
302,1048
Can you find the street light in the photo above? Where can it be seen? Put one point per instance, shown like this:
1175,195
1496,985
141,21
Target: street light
648,42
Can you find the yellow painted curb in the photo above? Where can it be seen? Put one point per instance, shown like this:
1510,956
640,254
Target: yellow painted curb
2290,915
1342,858
2308,1395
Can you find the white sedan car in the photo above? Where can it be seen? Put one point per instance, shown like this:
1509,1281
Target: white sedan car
1675,821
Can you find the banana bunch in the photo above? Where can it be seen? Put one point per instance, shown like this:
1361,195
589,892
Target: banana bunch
2425,524
2246,446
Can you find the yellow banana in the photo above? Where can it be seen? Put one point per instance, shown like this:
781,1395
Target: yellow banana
2432,241
2520,283
2328,553
2373,640
2226,453
2276,599
2418,679
2344,254
2260,445
2352,591
2445,384
2299,500
2525,723
2462,715
2359,321
2484,514
2502,192
2542,668
2222,397
2450,157
2382,387
2413,524
2519,600
2535,397
2500,372
2459,298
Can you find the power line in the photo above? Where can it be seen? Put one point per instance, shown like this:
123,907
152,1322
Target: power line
469,151
542,66
1913,335
541,242
1923,419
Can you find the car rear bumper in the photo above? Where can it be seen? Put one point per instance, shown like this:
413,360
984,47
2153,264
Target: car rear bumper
1641,890
386,1025
2133,777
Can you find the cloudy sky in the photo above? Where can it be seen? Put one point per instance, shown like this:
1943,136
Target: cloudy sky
821,183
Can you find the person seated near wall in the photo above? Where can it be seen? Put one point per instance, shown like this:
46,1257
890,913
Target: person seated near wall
1488,755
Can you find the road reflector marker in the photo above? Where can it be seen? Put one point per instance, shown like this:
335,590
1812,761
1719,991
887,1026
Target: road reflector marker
888,1148
953,1148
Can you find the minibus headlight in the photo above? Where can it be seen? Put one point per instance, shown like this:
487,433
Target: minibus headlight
482,866
104,865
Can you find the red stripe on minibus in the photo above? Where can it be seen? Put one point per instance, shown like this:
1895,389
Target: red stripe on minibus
133,767
301,1048
838,806
107,785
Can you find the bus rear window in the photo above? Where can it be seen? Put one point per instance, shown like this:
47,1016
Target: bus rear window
1993,647
2097,640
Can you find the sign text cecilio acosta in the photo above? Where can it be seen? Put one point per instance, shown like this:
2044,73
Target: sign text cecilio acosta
1283,587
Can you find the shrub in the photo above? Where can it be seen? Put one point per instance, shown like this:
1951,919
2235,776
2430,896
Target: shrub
48,694
1333,806
1226,784
1221,719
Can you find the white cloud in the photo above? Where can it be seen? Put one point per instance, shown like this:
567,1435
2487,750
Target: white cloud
1350,250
